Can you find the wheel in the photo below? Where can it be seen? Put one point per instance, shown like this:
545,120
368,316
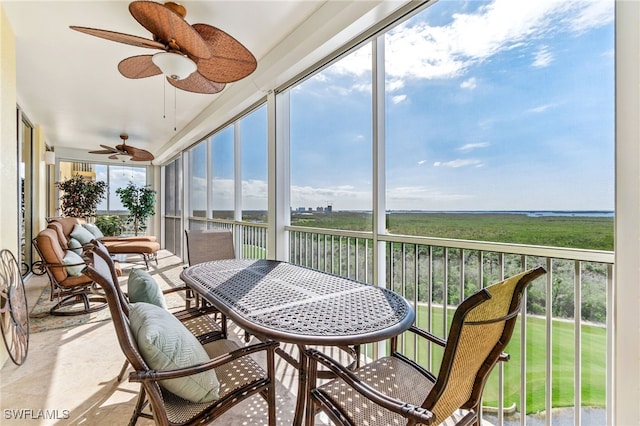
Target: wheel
14,314
38,268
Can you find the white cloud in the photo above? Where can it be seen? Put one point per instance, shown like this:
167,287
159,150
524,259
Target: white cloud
421,162
423,51
541,108
471,146
470,83
459,163
398,98
543,57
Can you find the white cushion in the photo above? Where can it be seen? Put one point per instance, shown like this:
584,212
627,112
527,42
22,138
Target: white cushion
142,287
166,344
97,233
75,246
81,234
71,258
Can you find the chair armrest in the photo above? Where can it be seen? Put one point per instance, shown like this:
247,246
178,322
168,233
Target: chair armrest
155,375
175,289
61,265
410,411
425,334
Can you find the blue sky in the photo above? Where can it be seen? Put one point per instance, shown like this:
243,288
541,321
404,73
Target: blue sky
501,105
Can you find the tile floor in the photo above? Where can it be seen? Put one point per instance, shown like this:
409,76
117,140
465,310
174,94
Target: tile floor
69,378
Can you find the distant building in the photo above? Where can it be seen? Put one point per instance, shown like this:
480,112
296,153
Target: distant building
319,209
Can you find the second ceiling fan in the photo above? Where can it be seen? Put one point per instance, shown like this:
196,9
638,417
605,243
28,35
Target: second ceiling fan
197,58
117,152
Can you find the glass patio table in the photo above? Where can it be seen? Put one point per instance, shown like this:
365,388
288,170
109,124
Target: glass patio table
293,304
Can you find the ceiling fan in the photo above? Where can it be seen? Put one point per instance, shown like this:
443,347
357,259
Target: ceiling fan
197,58
124,150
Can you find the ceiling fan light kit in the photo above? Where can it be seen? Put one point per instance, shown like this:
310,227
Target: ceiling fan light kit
174,65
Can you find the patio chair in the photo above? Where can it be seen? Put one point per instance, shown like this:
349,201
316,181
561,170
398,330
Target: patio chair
68,284
205,245
225,373
200,321
396,390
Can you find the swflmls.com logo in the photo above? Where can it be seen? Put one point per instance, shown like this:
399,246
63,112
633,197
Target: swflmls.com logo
35,414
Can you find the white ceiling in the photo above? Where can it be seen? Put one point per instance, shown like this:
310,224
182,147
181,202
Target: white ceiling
68,82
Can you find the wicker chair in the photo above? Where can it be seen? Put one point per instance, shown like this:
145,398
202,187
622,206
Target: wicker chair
209,244
396,390
200,321
204,246
239,375
69,289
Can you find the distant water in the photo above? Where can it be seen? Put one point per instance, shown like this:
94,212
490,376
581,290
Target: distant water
530,213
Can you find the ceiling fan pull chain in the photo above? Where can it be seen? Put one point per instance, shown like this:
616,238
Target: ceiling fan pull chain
164,99
175,108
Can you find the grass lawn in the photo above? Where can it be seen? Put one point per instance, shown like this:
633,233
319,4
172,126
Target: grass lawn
593,363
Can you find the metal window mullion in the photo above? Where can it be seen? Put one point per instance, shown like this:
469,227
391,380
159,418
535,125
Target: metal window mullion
237,171
208,178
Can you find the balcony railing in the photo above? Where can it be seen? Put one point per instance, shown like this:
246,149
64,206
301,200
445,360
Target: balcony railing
560,369
250,239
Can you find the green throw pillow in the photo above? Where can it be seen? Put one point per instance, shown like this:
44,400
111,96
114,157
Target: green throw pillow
165,344
141,287
81,234
74,246
71,258
97,233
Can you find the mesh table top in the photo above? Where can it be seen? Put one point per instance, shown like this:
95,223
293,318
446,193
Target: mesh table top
294,304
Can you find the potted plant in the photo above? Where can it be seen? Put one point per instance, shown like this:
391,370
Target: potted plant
81,196
110,225
140,201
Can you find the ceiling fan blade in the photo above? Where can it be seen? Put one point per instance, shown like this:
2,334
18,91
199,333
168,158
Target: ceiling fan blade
107,150
138,154
112,149
140,66
196,83
169,27
120,37
113,157
104,151
146,156
230,60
